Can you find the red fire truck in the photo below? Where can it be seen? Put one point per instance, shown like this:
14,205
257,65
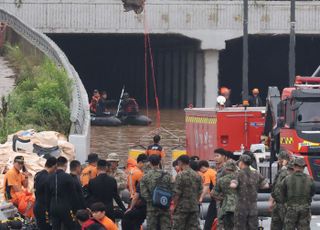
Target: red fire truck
293,121
234,129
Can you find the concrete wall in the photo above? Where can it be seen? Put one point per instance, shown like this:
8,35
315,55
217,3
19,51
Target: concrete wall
212,22
211,77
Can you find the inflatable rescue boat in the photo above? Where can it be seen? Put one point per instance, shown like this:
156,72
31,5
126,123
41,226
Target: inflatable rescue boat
139,120
105,121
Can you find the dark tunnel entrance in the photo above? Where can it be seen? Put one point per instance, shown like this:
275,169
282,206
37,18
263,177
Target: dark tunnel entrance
268,62
107,62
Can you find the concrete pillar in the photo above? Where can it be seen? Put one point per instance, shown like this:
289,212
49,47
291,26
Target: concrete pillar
211,58
81,143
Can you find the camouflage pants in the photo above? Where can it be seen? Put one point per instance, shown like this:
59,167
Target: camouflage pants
228,221
297,217
246,218
278,213
186,221
158,220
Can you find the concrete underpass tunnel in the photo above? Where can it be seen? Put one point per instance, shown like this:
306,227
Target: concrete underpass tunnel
109,61
268,62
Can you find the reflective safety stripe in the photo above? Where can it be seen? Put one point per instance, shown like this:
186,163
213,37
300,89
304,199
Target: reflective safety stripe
201,120
286,140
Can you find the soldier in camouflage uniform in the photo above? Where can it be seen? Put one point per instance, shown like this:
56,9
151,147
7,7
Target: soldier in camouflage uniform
187,191
227,196
246,184
116,173
157,218
297,190
275,204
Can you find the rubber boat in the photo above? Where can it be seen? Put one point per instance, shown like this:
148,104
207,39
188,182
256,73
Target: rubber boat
105,121
139,120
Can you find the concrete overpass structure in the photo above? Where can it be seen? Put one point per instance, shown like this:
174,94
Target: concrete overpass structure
210,22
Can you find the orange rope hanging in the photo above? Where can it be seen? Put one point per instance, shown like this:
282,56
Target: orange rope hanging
147,47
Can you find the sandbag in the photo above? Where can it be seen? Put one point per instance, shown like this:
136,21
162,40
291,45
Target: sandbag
33,162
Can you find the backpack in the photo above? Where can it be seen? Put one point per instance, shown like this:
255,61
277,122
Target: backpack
161,196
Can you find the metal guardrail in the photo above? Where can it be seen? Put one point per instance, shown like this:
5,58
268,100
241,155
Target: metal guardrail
80,115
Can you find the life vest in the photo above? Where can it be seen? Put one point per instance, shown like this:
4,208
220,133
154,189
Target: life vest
132,106
93,103
88,223
108,224
155,149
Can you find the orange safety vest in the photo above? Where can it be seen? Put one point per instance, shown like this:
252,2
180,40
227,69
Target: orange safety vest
108,224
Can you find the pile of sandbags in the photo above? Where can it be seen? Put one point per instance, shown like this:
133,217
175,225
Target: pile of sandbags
24,146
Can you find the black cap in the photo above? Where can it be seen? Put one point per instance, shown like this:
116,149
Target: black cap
93,157
103,163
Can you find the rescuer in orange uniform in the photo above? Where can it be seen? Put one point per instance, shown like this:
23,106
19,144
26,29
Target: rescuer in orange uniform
135,173
94,101
209,181
99,214
156,149
129,106
136,213
224,91
90,171
15,180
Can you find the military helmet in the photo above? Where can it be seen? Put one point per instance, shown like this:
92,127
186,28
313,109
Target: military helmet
245,159
126,95
230,165
290,165
299,161
113,157
283,155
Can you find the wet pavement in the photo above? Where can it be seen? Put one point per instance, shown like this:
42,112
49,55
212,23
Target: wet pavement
105,140
7,78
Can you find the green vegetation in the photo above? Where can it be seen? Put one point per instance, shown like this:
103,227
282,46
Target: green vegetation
41,98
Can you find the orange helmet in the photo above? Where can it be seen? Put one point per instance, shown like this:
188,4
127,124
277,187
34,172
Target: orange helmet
224,90
255,91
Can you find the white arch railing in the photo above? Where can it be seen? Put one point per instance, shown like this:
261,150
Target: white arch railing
79,107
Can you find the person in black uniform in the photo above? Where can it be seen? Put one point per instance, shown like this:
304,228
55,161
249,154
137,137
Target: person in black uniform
75,172
104,189
61,200
136,214
40,182
255,100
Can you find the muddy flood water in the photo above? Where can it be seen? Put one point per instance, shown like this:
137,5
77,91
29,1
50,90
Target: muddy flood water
105,140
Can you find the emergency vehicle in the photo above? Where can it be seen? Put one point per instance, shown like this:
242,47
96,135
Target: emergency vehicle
293,121
290,121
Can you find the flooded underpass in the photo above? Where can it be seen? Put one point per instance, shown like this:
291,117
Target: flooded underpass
105,140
